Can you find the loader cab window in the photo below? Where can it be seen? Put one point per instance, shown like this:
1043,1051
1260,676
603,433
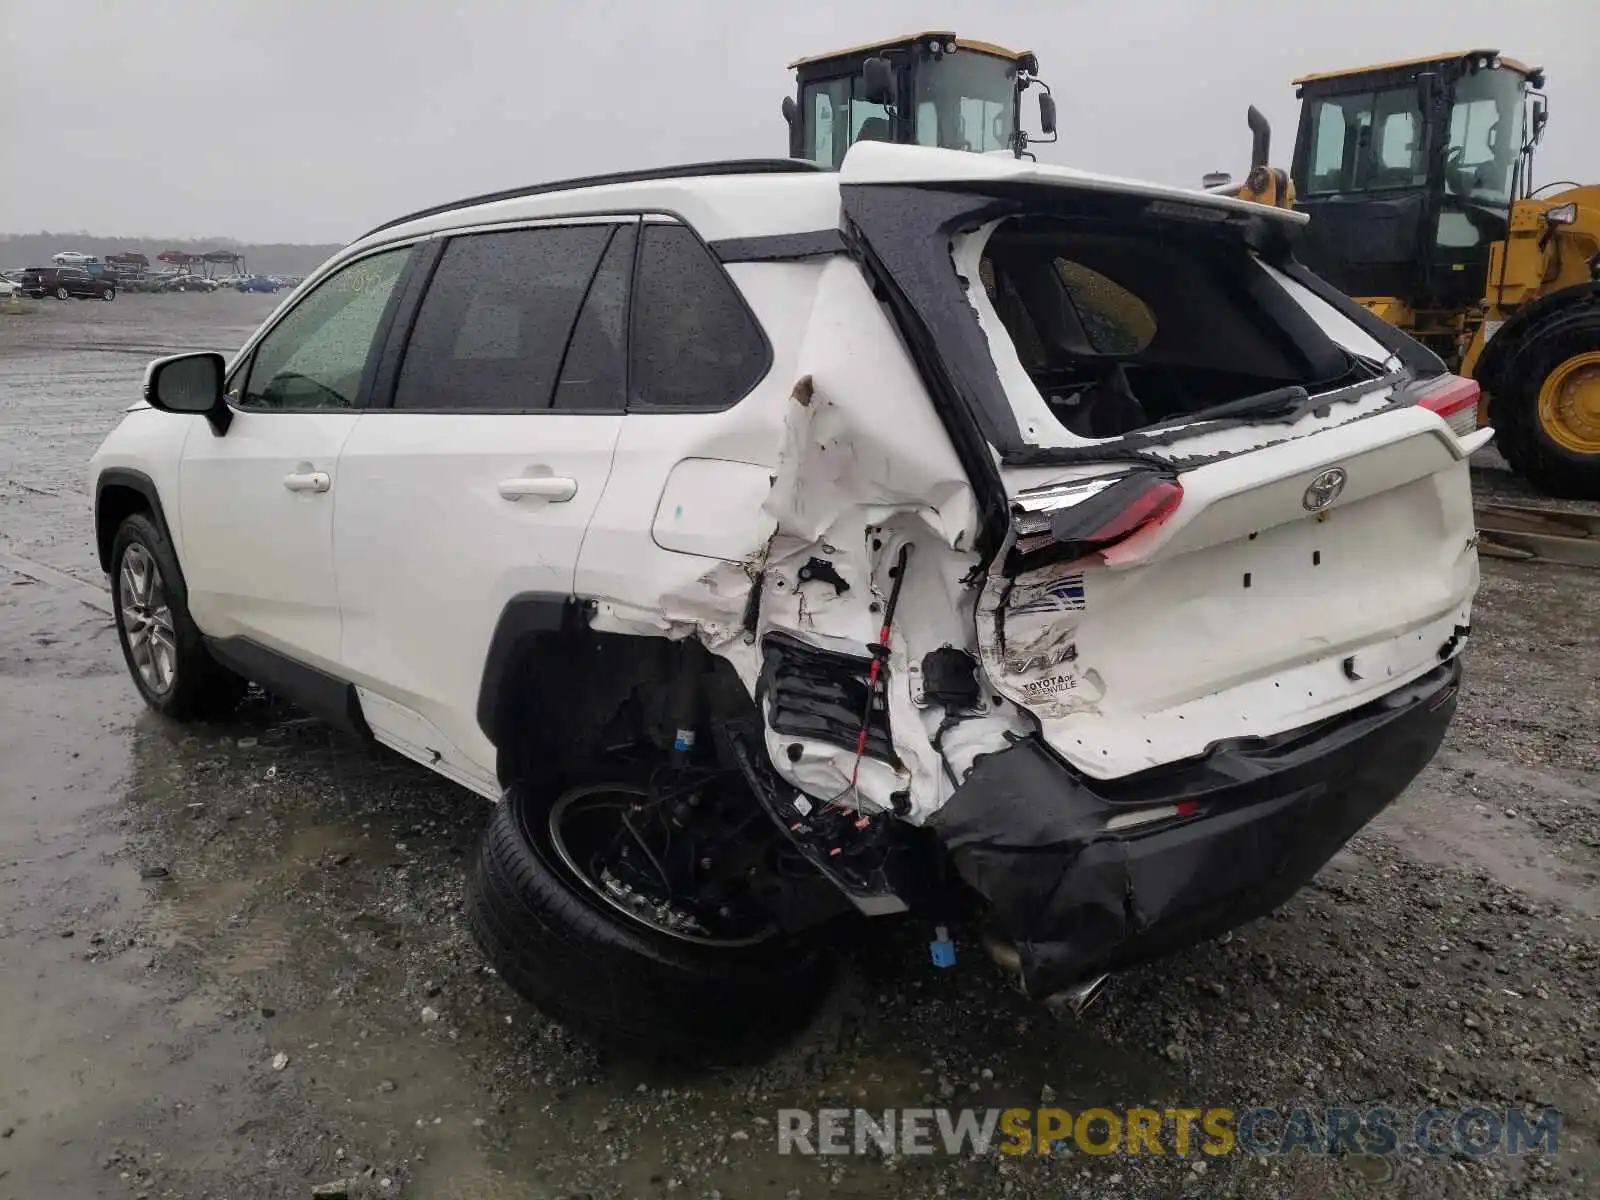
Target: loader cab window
974,96
1485,136
1367,141
836,117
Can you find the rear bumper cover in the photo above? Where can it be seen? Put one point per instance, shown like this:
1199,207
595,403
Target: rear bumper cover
1029,833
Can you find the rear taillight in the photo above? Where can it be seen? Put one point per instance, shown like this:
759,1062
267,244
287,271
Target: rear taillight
1456,400
1066,522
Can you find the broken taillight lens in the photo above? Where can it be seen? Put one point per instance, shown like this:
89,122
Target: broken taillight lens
1067,522
1454,398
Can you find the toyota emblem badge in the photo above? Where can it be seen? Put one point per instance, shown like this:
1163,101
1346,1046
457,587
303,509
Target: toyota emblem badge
1324,489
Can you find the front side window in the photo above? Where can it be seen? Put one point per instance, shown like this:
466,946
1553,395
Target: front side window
315,356
493,329
695,344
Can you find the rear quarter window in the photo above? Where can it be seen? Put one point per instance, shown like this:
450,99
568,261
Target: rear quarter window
696,346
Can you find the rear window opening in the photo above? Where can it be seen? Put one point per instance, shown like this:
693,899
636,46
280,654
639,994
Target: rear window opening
1120,328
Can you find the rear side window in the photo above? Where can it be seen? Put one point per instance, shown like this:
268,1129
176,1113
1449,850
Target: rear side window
494,326
695,344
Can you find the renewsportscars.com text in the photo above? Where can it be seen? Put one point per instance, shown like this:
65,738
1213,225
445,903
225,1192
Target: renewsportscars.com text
1178,1132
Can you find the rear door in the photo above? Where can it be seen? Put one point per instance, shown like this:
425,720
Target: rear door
475,480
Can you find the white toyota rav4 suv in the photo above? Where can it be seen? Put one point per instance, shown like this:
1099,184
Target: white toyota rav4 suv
947,534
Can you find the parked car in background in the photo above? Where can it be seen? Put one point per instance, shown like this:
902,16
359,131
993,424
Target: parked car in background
72,257
66,282
257,283
7,288
188,283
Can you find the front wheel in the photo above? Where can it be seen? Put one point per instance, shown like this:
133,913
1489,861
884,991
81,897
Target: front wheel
164,650
619,907
1550,416
62,294
108,293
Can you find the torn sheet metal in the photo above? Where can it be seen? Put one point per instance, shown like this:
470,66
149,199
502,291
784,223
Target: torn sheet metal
864,468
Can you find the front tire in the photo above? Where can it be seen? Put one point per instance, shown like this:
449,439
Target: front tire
164,649
63,294
1550,416
615,981
108,294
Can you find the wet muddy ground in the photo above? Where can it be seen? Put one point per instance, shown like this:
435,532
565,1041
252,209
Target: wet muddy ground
217,943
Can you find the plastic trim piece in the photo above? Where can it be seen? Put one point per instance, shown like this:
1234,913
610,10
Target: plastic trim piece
136,481
526,616
780,247
323,695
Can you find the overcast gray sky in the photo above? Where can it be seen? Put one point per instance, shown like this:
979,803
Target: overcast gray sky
310,120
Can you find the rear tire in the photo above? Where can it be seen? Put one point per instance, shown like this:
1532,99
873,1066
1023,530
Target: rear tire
1549,414
619,983
108,294
163,648
63,294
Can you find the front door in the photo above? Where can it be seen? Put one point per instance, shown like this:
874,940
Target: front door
476,481
257,502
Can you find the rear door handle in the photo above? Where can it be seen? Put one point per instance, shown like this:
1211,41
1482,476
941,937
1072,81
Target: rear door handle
554,488
307,481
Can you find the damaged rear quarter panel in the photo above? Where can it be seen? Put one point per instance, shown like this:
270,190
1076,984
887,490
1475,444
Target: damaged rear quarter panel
861,466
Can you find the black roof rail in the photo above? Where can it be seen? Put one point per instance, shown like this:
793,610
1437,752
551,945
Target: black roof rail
731,166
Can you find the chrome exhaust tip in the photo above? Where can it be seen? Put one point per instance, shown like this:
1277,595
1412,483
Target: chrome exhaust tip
1077,998
1074,999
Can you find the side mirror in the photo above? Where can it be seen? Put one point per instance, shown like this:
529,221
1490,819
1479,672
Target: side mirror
1047,113
189,383
877,77
791,111
1541,114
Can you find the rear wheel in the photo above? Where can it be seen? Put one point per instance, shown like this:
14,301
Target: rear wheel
62,293
108,293
621,906
1550,430
164,650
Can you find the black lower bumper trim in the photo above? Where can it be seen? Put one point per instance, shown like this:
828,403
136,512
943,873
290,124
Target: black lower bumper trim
1029,833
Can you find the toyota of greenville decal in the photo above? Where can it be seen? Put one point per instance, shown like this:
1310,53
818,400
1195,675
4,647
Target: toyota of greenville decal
1050,685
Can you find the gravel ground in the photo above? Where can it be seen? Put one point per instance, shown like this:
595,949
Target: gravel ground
233,961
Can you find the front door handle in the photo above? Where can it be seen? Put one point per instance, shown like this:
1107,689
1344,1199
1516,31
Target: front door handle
307,481
554,488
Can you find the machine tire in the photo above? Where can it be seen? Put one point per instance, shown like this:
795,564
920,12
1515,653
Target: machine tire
1527,444
619,985
201,688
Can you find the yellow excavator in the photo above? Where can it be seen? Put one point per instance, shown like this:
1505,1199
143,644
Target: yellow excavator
926,89
1418,178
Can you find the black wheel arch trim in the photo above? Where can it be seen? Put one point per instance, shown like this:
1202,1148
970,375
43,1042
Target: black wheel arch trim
319,693
137,481
1508,342
526,616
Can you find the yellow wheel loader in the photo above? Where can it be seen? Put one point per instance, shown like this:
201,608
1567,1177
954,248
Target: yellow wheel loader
1418,177
924,89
